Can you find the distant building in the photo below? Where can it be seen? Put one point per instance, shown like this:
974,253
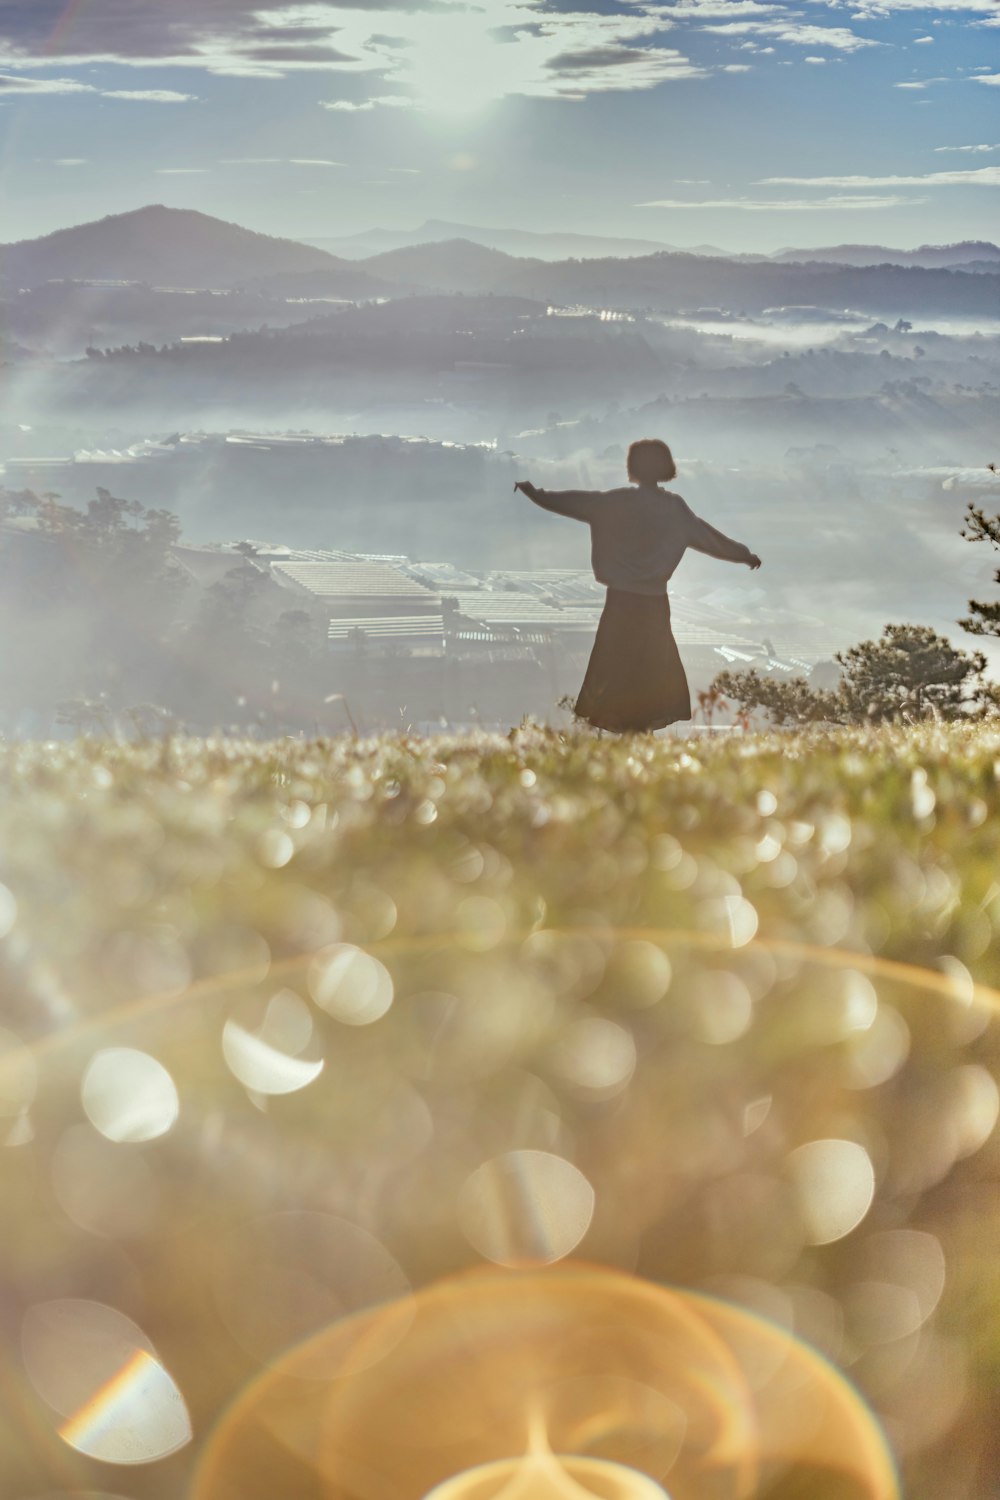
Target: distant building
422,634
361,588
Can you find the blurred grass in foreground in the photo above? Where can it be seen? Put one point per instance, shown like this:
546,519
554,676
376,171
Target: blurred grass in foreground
721,1013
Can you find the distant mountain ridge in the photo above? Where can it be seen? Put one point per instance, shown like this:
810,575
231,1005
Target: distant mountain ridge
161,246
929,257
521,242
673,281
536,245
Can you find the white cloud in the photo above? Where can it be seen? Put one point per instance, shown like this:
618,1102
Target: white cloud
819,60
990,78
277,161
17,83
450,53
977,149
844,202
180,171
150,96
976,177
700,10
879,9
386,101
12,84
798,34
69,161
920,83
920,41
737,68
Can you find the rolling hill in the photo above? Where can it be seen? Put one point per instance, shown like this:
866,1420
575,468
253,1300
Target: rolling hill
159,246
929,257
673,282
170,247
543,246
449,266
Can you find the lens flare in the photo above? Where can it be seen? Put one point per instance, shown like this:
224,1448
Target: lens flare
556,1384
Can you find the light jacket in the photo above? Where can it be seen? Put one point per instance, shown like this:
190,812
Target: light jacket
639,533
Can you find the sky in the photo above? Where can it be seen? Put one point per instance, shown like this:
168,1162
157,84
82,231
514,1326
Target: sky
738,123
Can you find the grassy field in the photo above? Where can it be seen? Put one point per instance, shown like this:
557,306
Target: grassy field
293,1028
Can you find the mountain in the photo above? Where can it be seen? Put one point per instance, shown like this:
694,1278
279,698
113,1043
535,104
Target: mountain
450,266
162,247
677,282
929,257
673,281
171,247
526,242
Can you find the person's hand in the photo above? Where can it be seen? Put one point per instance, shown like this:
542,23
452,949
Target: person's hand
526,487
753,562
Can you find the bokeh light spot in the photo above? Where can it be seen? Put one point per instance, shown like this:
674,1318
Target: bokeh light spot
18,1075
526,1207
835,1183
8,911
350,985
129,1096
596,1056
722,1006
640,973
976,1109
99,1372
263,1068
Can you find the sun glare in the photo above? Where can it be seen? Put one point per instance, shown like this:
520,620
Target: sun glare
455,65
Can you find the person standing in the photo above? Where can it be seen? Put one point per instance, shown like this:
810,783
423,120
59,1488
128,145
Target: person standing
635,679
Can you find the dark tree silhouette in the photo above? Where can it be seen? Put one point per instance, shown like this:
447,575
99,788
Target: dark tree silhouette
984,618
910,673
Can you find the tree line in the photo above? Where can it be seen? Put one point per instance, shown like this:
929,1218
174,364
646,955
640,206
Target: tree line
911,673
106,628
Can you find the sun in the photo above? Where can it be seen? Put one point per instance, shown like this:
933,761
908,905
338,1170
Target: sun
456,64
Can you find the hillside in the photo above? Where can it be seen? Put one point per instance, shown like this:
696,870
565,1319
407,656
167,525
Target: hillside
170,247
448,266
544,246
160,246
296,1027
672,282
552,245
930,257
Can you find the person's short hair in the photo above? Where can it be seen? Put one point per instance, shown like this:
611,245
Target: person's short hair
650,461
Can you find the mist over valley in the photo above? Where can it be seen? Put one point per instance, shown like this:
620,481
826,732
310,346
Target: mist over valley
257,388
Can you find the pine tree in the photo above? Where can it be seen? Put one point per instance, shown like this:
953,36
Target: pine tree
979,527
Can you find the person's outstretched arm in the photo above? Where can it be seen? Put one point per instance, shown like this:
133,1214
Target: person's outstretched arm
704,538
580,504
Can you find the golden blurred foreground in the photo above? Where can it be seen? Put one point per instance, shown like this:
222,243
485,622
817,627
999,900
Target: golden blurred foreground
523,1118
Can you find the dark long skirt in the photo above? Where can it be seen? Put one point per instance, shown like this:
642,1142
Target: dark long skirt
635,679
